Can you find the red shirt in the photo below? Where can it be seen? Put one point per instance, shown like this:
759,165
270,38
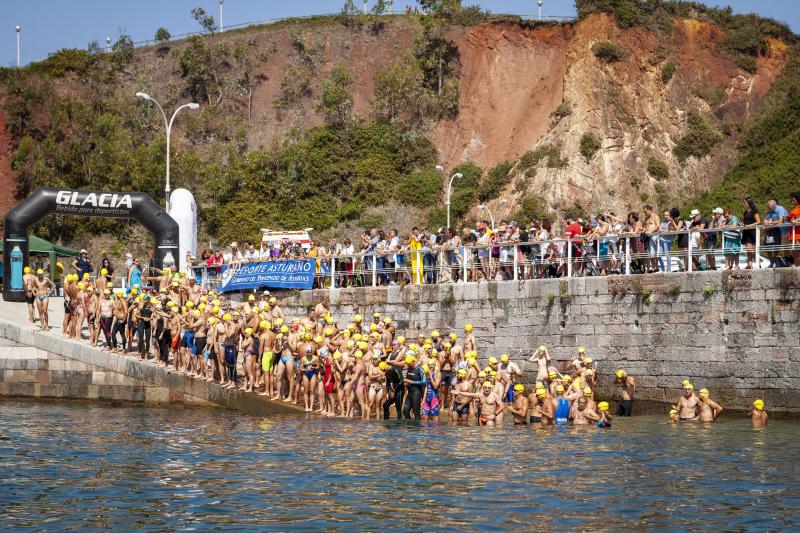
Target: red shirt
573,230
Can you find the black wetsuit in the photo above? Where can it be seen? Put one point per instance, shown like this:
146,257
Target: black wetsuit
143,329
119,327
394,393
414,391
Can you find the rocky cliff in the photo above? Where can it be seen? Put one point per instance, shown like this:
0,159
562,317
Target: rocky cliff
590,114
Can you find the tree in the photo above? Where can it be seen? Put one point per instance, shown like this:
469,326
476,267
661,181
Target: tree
203,66
123,51
381,7
204,19
336,102
162,35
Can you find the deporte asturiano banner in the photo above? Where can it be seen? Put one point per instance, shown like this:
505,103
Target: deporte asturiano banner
294,274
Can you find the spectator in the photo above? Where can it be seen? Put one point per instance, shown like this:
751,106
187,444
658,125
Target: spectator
651,226
776,215
134,275
794,218
750,218
731,240
676,223
697,224
82,265
711,238
665,243
234,258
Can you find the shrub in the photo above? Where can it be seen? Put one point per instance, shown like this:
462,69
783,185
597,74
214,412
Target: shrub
699,140
531,206
668,72
495,180
65,60
609,52
563,110
421,189
589,146
714,97
658,169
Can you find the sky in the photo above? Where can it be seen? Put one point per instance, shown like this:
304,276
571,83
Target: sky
49,25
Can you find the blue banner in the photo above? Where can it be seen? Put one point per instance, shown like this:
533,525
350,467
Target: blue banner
295,274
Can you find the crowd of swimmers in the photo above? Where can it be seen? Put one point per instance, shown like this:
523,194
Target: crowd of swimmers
362,369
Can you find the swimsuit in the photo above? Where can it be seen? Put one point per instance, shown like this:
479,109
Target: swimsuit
286,358
266,361
463,410
188,340
198,346
562,411
430,407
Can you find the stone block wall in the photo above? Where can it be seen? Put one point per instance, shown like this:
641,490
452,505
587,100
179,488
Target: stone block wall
735,333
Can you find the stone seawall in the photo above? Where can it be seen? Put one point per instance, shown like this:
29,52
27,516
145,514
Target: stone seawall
735,333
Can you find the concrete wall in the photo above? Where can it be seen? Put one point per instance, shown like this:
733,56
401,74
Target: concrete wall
735,333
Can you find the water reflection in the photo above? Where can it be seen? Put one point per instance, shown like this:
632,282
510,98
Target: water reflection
85,466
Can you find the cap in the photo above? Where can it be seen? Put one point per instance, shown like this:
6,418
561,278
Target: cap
694,213
758,404
620,374
462,372
560,388
487,385
468,327
541,393
717,211
603,406
492,360
519,387
581,349
504,358
83,251
409,359
703,392
587,391
39,271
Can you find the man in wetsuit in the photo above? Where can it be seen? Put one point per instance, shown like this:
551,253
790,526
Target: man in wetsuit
561,406
414,381
394,393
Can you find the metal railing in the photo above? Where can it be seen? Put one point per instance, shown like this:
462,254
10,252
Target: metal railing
623,254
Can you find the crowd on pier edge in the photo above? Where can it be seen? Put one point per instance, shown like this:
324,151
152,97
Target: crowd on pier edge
601,244
360,369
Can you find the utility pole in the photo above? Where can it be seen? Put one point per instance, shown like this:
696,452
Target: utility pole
18,30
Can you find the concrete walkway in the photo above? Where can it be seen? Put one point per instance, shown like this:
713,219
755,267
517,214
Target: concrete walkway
15,327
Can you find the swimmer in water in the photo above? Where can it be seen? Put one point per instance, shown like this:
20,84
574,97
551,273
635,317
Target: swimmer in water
687,405
519,408
707,409
758,415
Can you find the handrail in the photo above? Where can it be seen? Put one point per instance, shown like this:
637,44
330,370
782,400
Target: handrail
527,260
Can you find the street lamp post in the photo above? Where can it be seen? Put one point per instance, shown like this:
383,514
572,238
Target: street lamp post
168,126
457,175
540,2
18,29
491,215
220,14
108,44
365,6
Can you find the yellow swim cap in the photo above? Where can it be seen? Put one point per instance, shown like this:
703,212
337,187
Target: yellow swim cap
81,285
359,354
26,270
363,345
492,360
357,337
487,385
434,334
673,412
251,298
227,316
278,321
328,332
204,298
472,362
688,386
589,372
519,387
170,304
284,329
337,355
587,360
620,374
447,346
603,406
759,404
541,393
703,392
552,375
453,336
373,327
401,339
387,320
357,319
248,331
542,348
504,358
107,292
482,374
196,313
409,359
39,271
581,349
318,339
462,372
350,344
264,324
468,328
383,365
587,391
560,388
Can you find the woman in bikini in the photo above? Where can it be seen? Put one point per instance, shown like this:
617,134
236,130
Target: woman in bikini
376,374
250,351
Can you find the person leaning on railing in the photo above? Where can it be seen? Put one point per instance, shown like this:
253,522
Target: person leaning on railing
794,217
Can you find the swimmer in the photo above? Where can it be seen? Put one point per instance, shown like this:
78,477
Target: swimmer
628,386
28,279
758,415
605,418
687,405
41,287
490,403
519,408
707,409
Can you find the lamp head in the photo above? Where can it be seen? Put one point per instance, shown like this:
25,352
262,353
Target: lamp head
503,201
481,206
193,106
540,3
458,175
18,29
143,96
108,40
439,168
309,230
